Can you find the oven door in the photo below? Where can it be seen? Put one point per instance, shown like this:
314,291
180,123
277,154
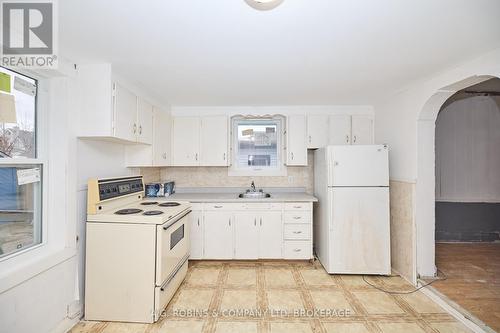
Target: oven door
172,239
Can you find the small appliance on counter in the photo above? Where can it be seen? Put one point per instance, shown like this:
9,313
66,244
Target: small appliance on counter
153,190
169,188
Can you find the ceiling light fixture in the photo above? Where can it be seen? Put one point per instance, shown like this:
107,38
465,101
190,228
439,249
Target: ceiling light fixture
264,4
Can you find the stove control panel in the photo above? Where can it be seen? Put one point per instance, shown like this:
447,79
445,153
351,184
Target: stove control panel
119,187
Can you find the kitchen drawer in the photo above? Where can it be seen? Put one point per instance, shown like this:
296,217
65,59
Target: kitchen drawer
298,206
297,249
224,206
264,206
298,217
197,206
298,231
163,294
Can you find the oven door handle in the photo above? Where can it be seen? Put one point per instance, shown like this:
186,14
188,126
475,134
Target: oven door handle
176,270
169,224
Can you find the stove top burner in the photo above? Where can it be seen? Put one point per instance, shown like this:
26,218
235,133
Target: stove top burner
128,211
153,212
149,203
169,204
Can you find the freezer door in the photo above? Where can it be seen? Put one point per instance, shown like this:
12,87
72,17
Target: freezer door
358,165
360,231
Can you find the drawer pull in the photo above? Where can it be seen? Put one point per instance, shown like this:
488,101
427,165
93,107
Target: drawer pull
297,232
297,207
297,217
217,206
297,250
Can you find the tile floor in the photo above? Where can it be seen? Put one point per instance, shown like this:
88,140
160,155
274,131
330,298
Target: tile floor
345,303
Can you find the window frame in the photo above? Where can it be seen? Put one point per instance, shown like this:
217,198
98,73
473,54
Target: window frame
280,170
40,126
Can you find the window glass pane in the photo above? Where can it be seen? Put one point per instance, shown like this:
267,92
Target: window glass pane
257,144
20,209
17,115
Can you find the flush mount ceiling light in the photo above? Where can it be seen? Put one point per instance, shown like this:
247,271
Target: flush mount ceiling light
264,4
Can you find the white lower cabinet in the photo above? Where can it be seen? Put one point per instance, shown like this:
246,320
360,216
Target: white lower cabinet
257,235
249,231
271,239
246,236
218,235
196,234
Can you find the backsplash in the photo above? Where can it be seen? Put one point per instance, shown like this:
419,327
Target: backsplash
218,177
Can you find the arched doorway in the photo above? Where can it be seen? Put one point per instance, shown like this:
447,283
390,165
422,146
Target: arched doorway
426,182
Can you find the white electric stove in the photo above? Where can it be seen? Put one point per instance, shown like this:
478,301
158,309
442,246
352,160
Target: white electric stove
136,251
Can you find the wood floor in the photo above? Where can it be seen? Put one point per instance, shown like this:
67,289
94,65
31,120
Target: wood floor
473,272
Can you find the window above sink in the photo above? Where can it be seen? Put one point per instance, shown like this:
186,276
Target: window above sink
257,146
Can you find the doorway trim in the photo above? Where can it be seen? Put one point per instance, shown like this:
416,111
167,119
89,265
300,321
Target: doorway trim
426,178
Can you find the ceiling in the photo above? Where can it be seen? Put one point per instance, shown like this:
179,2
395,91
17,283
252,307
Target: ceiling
305,52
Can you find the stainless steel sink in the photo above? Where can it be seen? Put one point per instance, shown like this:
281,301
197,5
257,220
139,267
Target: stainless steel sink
254,195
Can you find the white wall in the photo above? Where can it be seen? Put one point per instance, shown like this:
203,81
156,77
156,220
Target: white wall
468,151
396,116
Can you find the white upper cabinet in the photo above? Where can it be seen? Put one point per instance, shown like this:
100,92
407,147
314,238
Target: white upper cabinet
111,111
362,130
214,141
200,141
339,130
157,154
317,131
125,113
144,121
351,130
162,136
186,141
296,140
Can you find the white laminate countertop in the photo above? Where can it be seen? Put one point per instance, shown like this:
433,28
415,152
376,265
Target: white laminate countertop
230,196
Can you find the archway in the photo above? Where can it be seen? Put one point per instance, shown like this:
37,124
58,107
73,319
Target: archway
426,182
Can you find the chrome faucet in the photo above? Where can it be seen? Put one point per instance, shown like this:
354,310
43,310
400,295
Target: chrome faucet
253,186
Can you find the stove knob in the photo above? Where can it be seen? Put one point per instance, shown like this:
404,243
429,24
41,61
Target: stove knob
108,191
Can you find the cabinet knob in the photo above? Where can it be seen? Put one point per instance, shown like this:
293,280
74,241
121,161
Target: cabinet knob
347,138
135,128
255,222
224,157
309,139
354,140
196,156
297,250
140,129
291,154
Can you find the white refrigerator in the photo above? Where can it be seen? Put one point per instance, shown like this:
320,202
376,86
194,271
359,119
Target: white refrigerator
351,220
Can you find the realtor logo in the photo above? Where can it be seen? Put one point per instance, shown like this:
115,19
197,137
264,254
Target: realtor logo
28,34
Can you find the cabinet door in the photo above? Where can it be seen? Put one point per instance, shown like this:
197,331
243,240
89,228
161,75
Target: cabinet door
214,141
296,140
144,121
271,239
125,114
218,238
362,130
340,130
246,235
186,141
196,235
162,131
317,131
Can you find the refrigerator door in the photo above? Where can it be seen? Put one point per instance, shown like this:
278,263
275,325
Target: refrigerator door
359,231
358,165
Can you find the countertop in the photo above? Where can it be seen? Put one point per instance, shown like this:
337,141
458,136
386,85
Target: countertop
227,195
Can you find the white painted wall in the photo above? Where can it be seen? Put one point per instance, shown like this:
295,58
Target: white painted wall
467,151
406,122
